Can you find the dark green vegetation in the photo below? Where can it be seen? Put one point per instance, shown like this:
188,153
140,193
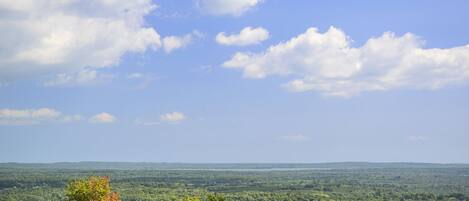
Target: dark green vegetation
240,182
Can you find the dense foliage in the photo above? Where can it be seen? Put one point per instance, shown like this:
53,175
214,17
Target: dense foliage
91,189
348,182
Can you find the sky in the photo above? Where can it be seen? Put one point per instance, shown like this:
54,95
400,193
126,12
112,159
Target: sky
223,81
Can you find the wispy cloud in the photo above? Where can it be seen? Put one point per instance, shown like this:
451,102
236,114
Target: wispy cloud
203,69
85,77
34,116
173,117
227,7
143,79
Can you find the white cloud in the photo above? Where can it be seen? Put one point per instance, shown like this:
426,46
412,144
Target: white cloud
52,37
103,117
171,43
173,117
227,7
81,78
327,63
34,116
247,36
294,138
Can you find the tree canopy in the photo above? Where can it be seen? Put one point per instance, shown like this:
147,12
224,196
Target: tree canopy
91,189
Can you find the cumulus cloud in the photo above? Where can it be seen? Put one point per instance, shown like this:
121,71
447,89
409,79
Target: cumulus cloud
327,63
171,43
34,116
173,117
103,117
227,7
247,36
53,37
294,138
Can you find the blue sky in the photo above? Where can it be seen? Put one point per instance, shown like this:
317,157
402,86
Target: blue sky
234,81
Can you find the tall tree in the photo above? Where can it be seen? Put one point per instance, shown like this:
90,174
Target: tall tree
91,189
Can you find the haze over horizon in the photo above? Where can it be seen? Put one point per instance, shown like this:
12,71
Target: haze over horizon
248,81
112,163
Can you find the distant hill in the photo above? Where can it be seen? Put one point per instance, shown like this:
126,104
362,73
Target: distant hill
224,166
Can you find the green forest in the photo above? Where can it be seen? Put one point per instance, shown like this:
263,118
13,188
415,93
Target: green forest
241,182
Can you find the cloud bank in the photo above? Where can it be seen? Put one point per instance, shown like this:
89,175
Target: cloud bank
327,63
247,36
47,36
